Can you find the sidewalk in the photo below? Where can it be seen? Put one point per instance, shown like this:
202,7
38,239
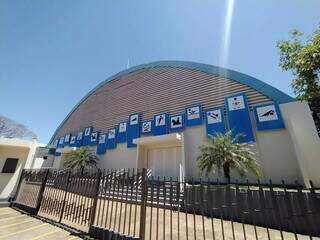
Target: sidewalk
15,225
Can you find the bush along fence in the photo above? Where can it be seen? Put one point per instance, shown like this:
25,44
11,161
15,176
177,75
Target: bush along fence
133,204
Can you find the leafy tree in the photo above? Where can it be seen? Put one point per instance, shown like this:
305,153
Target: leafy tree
11,129
302,58
224,152
80,159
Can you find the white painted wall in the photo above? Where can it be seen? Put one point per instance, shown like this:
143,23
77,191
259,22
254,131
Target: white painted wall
277,156
193,138
57,162
39,162
305,140
24,150
9,181
121,157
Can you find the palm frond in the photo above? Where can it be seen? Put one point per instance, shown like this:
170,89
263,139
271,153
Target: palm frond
80,159
221,149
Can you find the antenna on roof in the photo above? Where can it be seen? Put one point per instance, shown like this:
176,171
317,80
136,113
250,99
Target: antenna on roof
128,63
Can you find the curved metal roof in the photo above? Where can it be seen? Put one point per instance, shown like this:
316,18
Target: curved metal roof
262,87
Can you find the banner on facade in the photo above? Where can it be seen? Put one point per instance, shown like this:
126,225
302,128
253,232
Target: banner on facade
122,132
268,117
215,121
79,139
101,148
239,116
160,125
133,129
177,122
112,138
193,115
146,127
87,136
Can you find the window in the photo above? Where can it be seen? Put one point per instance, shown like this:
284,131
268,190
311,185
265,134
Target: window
10,165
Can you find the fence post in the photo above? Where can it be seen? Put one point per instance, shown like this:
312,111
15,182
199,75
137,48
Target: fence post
41,191
144,195
18,187
94,206
65,197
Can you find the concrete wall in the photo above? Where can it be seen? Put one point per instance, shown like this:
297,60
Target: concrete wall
9,181
25,151
305,140
39,162
121,157
193,138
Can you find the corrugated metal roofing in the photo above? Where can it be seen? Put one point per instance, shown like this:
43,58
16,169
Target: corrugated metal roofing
185,69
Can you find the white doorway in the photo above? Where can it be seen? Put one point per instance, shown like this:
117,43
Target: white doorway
163,154
165,161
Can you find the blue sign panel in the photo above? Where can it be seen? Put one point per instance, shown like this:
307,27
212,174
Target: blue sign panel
72,142
111,139
193,115
61,142
101,148
79,139
57,154
87,136
67,139
122,132
94,138
160,124
268,117
215,121
133,130
177,122
146,127
239,117
55,143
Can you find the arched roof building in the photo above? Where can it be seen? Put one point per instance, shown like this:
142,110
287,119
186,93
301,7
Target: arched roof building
163,86
171,91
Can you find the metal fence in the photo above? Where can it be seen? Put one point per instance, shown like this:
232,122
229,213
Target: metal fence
133,204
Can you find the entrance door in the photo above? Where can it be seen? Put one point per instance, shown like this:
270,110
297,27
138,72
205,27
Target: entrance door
165,161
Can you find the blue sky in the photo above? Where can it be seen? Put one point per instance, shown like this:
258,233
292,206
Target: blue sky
53,52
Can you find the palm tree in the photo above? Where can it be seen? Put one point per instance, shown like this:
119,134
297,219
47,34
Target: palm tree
223,151
80,159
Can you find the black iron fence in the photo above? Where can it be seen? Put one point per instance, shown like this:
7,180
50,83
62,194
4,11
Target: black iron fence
134,204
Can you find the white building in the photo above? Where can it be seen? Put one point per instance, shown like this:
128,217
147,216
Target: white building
16,155
157,115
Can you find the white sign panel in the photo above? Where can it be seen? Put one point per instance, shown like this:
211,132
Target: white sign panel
236,103
111,134
122,127
134,119
67,138
176,121
87,131
79,137
160,120
61,140
146,127
214,116
267,113
73,140
193,113
94,136
102,138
